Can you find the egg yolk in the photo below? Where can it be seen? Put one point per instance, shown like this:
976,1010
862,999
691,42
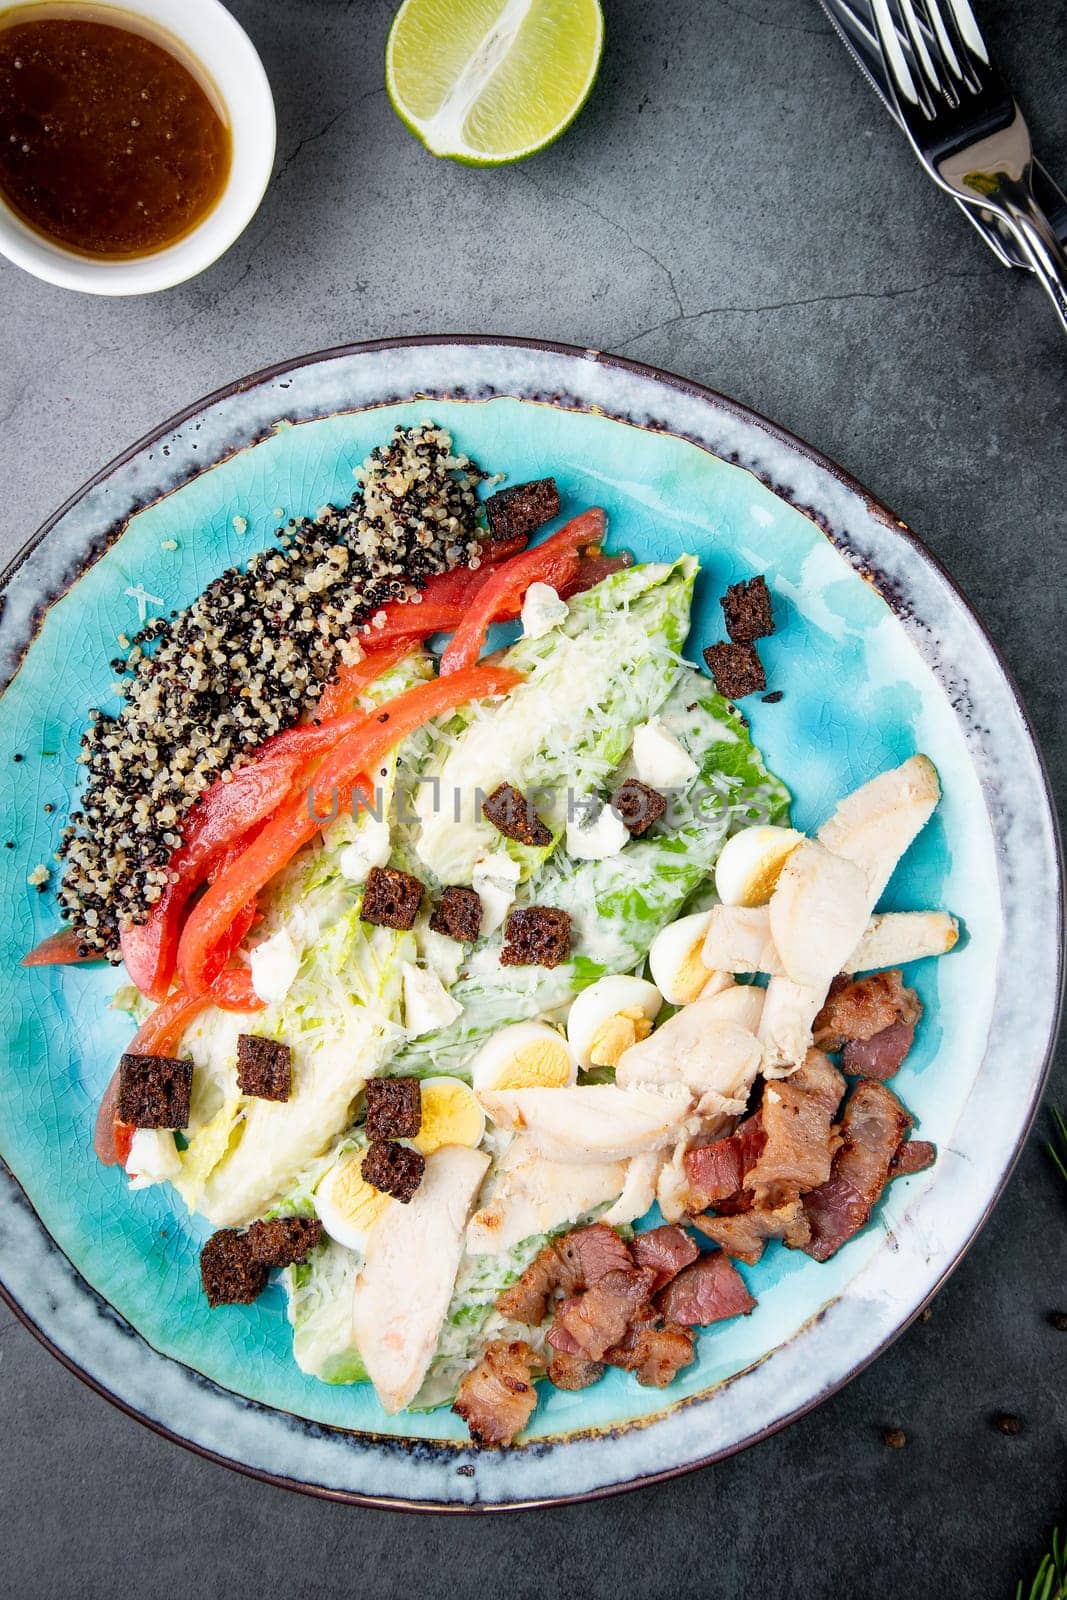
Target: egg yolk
542,1064
692,974
356,1199
450,1115
618,1033
764,879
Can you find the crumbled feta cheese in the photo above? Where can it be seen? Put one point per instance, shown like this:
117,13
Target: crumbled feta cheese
427,1003
153,1158
443,956
370,848
240,524
593,839
168,544
542,610
38,876
659,760
275,963
495,879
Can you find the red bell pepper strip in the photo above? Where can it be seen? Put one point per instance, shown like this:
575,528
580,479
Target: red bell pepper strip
301,817
555,562
224,814
59,950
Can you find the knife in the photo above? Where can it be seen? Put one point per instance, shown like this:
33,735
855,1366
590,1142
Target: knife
851,22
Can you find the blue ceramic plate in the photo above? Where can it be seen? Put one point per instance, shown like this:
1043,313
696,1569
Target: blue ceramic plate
877,655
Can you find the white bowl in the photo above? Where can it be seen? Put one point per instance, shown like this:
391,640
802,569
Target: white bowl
222,48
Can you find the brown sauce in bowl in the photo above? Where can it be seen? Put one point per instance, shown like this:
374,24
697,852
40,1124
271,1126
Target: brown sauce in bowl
109,143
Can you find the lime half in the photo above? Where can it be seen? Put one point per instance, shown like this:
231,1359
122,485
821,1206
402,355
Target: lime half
487,81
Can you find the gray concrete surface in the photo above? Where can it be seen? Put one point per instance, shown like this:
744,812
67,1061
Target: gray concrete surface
732,205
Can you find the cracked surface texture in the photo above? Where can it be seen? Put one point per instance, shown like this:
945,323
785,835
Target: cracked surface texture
734,205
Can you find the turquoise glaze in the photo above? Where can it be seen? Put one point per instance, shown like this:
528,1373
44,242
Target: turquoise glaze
862,691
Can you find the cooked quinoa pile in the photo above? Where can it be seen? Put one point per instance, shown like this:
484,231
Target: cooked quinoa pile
245,661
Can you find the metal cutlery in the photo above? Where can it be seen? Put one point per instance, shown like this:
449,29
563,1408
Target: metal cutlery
852,22
965,126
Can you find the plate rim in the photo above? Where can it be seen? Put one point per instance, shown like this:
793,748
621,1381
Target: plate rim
897,529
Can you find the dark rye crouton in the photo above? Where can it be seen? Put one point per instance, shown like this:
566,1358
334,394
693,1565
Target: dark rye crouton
458,914
391,899
638,806
736,668
394,1169
264,1067
747,609
536,936
154,1091
283,1241
394,1108
518,512
513,815
228,1270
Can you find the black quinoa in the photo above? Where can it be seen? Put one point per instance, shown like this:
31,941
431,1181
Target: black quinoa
245,661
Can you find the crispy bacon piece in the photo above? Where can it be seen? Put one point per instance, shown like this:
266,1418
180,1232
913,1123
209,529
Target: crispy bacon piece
872,1129
588,1254
864,1007
570,1264
569,1371
654,1349
708,1291
797,1116
744,1234
526,1300
666,1251
716,1172
497,1397
598,1319
914,1155
882,1055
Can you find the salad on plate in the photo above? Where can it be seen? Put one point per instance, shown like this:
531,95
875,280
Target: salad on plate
485,993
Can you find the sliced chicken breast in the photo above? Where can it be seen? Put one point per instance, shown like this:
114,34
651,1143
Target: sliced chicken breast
739,939
532,1196
697,1047
592,1123
405,1285
873,826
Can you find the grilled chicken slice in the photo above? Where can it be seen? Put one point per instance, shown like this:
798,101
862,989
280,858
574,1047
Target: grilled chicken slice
739,939
873,826
406,1282
819,910
534,1196
711,1055
592,1123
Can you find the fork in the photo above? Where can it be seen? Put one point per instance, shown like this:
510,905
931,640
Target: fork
965,125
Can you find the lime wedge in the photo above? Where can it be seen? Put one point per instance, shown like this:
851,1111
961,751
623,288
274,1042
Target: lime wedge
488,81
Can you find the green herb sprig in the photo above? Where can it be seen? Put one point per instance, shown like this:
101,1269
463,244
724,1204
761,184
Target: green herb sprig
1050,1580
